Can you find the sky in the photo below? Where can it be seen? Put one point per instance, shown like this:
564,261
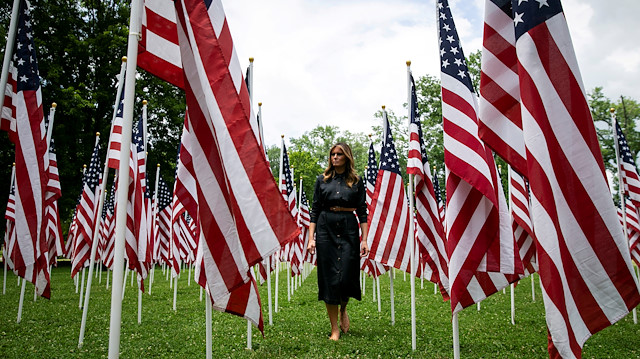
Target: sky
329,62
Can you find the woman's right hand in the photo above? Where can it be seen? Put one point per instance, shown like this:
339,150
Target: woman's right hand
311,247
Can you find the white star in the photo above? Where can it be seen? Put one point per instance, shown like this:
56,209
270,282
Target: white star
450,39
440,5
521,1
461,74
442,52
517,19
23,78
20,62
29,35
454,50
446,27
542,3
443,16
458,62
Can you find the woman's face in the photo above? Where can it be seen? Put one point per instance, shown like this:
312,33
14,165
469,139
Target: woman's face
338,159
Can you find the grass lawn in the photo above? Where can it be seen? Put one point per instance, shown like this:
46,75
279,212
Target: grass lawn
50,328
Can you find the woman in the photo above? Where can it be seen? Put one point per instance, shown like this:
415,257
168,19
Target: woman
333,231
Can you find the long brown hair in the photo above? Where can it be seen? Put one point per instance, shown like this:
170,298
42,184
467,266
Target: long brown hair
349,166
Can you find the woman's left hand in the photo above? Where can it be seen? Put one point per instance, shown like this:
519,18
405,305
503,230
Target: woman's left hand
364,249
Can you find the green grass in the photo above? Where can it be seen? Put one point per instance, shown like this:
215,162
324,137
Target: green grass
50,328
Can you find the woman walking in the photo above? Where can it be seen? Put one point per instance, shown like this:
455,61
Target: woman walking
333,232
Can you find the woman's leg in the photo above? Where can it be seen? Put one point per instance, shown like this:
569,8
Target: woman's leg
332,311
344,317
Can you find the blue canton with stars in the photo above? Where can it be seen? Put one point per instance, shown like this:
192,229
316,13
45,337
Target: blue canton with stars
528,14
286,170
109,206
436,186
415,118
388,155
452,60
623,146
372,166
24,55
164,195
92,176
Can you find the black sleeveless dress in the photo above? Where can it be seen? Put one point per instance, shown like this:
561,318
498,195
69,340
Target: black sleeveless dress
337,238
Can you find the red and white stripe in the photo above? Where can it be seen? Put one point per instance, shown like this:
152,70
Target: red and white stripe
158,49
388,236
429,230
500,122
241,213
482,253
633,230
521,221
587,277
87,214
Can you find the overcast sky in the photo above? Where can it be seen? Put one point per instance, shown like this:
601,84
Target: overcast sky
329,62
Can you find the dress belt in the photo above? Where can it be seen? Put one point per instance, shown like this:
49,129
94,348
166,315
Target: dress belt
341,209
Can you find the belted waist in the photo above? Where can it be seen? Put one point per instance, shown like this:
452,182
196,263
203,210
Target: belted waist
341,209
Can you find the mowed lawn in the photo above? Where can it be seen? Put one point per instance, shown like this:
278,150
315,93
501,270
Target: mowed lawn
50,328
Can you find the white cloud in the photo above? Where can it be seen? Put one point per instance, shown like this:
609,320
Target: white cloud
337,62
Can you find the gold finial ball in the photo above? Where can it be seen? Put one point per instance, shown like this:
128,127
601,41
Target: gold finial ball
366,167
84,166
251,59
144,102
383,107
259,103
612,110
14,164
54,105
371,134
434,168
408,63
124,59
158,165
97,133
281,136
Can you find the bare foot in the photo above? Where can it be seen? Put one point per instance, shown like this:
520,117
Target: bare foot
344,321
335,336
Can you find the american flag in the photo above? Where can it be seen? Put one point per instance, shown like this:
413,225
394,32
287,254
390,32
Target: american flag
627,167
236,192
633,229
287,187
23,117
521,221
136,237
429,231
10,233
500,122
108,228
115,137
87,213
304,219
164,220
389,216
158,49
480,244
52,217
580,246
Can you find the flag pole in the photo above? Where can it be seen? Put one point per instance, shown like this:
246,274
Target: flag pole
4,254
123,181
623,206
52,113
20,304
209,350
456,336
8,50
412,237
511,286
94,249
144,141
